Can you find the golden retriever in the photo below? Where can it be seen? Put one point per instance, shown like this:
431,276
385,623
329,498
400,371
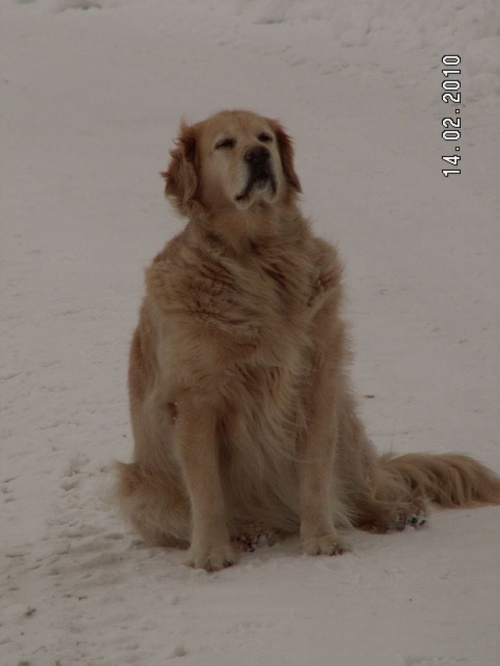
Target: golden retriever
243,419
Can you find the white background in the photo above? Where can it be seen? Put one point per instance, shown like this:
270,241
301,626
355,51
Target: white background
91,101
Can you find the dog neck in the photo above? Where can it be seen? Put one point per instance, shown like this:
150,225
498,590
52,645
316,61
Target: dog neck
240,231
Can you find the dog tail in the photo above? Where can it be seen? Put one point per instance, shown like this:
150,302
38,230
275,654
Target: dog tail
451,480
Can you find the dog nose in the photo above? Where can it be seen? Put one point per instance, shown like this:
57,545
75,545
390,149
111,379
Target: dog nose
257,155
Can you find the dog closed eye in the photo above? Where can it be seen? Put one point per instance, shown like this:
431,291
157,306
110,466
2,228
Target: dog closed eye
225,143
265,138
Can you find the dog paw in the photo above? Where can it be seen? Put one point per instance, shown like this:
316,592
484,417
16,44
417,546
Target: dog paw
211,558
327,544
414,515
418,518
249,542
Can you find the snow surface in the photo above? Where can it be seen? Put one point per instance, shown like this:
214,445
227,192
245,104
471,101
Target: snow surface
90,103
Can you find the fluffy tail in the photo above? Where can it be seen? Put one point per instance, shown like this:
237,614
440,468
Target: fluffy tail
451,480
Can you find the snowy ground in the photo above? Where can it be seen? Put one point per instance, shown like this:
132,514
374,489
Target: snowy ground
90,103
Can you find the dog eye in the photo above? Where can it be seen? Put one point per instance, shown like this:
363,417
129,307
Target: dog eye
265,138
225,143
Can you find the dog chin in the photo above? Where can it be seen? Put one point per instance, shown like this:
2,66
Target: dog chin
260,192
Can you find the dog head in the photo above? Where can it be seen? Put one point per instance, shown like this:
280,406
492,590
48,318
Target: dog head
234,158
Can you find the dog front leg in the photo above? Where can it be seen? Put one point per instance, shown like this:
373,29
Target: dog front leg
317,496
197,450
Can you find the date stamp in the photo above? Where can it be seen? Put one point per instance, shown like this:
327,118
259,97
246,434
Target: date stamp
453,123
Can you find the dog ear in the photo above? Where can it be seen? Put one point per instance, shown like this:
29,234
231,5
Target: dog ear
181,176
285,146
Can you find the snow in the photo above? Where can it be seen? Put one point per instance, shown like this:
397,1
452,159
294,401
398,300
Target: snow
93,91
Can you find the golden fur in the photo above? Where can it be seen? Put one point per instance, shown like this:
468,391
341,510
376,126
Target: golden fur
243,419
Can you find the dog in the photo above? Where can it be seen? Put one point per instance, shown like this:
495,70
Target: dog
243,418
